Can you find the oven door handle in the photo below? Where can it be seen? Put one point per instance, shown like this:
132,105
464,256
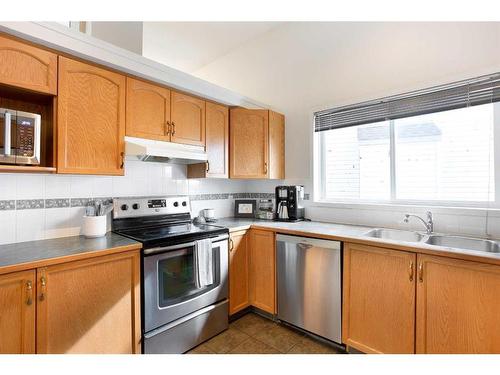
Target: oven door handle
155,250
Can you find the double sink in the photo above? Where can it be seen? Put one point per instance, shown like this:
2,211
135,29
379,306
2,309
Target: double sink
459,242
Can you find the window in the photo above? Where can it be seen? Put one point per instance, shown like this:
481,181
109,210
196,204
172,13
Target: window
439,156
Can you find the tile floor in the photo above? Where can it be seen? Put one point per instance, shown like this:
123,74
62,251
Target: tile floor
253,334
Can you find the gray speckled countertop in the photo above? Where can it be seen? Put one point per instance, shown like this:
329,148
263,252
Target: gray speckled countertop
312,227
34,254
355,233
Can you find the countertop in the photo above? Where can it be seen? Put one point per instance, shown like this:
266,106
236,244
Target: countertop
354,234
33,254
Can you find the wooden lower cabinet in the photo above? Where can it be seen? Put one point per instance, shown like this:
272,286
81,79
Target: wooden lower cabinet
238,272
90,306
17,313
262,270
458,306
379,299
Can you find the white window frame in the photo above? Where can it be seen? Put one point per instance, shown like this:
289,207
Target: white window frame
319,186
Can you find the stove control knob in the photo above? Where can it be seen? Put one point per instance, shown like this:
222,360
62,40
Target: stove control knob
136,206
176,204
124,207
184,203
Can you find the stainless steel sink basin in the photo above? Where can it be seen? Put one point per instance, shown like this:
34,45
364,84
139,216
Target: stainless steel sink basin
396,235
465,243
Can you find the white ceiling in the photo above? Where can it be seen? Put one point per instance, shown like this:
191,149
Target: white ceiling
188,46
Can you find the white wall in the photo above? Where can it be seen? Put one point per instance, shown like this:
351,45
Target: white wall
127,35
301,67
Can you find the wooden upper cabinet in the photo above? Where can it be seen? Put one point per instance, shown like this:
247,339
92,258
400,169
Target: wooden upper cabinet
27,67
90,306
378,299
188,119
217,144
238,272
91,119
148,110
276,145
249,143
458,306
17,313
257,144
262,270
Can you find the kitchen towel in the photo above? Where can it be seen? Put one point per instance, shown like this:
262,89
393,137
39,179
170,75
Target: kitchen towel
203,263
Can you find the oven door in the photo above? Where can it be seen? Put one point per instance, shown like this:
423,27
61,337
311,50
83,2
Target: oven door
170,288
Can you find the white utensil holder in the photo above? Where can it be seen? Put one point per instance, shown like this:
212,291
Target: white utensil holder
94,226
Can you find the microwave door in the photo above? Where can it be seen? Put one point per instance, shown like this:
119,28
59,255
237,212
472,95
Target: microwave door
7,136
28,138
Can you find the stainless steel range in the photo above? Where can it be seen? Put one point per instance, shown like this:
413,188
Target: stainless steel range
184,272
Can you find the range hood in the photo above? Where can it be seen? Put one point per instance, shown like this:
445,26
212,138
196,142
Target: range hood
164,152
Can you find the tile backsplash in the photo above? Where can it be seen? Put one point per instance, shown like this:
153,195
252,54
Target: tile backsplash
34,207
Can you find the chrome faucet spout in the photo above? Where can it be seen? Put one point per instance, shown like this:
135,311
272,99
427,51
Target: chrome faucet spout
429,224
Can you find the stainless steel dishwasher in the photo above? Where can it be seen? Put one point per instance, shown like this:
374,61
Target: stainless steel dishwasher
309,284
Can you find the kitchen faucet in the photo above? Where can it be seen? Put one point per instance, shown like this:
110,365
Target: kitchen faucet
429,224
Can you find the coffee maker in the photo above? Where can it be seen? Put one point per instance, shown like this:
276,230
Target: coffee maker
289,205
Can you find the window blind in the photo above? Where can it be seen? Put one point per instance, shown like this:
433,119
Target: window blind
481,90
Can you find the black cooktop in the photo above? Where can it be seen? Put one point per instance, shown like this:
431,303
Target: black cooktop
172,234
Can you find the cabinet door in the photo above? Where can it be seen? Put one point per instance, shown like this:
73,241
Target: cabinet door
249,143
188,119
262,270
90,306
217,144
379,299
91,119
28,67
17,313
458,306
217,140
276,145
148,110
238,272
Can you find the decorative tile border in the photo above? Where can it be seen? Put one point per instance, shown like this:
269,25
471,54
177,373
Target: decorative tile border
28,204
56,203
7,205
82,202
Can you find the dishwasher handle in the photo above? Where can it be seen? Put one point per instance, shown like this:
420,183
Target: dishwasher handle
309,242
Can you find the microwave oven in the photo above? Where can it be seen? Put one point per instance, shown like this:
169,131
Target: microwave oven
20,134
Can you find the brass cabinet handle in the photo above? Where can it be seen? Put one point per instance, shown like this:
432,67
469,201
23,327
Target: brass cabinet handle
231,244
167,128
410,271
265,167
123,160
421,272
173,128
208,166
29,293
43,283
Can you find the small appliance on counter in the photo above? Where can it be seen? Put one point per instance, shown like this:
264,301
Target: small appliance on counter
265,209
289,206
20,135
209,215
